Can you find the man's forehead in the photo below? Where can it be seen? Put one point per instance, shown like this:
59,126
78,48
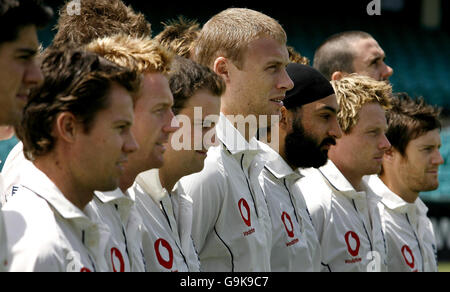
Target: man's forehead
268,50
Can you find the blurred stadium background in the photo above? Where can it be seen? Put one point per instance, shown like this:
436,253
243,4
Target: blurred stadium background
415,34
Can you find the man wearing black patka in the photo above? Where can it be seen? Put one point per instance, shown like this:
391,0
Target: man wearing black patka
308,127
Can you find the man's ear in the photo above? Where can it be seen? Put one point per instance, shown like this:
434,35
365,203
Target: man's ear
338,75
66,127
221,67
286,117
389,155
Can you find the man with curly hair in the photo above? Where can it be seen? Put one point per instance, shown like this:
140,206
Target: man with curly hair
343,208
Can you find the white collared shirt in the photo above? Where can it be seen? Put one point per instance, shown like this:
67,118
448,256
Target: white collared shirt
295,246
118,212
347,222
46,232
3,242
409,232
163,249
11,172
231,227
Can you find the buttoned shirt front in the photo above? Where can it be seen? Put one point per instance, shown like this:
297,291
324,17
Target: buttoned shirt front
163,248
295,246
231,227
347,222
46,232
124,250
409,232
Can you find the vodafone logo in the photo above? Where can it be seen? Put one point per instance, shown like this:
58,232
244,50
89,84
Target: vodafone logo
288,224
166,261
244,208
117,260
85,270
408,256
353,243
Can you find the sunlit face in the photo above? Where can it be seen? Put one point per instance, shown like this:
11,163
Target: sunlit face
362,149
102,152
417,170
152,122
369,60
198,134
262,81
19,73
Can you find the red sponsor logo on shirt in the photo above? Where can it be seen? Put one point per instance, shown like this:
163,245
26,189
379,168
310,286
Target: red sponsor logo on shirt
287,221
408,256
244,209
166,263
117,255
353,245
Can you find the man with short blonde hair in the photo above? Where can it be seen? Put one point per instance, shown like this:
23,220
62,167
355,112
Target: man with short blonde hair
153,117
248,50
336,193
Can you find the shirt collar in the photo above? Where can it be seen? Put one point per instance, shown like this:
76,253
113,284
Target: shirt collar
150,182
116,197
232,139
42,186
277,166
338,181
393,201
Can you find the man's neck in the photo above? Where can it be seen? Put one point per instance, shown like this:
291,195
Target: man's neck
400,190
353,177
169,177
62,178
246,125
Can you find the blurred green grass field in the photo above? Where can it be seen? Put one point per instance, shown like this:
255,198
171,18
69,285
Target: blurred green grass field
444,267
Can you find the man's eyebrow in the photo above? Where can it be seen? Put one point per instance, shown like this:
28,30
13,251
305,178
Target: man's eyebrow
328,108
27,51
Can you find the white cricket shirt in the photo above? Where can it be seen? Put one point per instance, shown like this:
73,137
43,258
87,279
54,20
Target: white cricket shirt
162,245
409,233
347,222
295,246
124,250
3,242
46,232
12,171
231,227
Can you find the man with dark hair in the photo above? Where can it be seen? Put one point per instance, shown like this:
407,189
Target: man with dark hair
164,207
98,19
410,166
308,127
351,52
76,132
19,71
179,35
19,47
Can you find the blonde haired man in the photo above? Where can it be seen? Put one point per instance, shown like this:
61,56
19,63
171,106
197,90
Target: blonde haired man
151,128
343,208
231,224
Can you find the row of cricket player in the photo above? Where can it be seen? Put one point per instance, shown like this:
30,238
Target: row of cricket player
322,173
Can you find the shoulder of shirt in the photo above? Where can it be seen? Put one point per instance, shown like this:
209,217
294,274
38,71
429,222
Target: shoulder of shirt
314,188
32,222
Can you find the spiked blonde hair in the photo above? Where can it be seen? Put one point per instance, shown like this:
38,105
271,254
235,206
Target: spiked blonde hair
353,92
